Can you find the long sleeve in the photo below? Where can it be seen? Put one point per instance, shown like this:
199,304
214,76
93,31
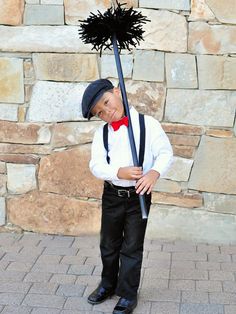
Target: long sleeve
160,147
98,164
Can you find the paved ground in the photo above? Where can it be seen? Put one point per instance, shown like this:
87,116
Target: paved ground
43,274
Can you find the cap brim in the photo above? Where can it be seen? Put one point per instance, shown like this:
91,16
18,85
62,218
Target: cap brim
95,100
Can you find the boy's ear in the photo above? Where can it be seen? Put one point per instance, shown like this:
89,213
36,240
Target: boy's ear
116,91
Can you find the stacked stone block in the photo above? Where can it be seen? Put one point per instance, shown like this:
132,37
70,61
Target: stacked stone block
183,74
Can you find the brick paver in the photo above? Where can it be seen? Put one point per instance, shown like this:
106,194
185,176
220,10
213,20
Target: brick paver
42,274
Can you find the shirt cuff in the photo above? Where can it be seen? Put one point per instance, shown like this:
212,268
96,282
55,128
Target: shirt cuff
114,172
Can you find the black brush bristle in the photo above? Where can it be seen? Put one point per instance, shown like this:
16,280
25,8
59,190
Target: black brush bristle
125,24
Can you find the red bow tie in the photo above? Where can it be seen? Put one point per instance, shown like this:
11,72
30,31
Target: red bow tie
116,124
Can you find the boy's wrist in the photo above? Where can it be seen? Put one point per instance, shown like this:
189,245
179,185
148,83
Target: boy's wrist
156,173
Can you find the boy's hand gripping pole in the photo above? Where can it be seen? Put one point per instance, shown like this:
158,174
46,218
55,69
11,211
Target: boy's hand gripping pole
130,128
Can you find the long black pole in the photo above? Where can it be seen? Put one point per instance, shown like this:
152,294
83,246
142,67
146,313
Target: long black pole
130,128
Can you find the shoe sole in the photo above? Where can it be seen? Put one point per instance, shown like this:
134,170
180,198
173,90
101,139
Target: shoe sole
119,312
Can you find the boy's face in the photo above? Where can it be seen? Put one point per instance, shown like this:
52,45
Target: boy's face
109,108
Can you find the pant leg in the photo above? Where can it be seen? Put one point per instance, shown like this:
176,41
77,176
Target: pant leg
131,253
111,237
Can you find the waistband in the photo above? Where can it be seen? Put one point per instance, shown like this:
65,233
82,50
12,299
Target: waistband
121,191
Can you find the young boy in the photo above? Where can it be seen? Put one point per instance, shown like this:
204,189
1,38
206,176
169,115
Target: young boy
122,226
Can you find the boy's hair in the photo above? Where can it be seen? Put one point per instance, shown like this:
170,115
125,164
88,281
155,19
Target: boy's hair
93,92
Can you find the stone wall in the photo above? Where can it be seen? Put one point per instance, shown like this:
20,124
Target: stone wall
183,74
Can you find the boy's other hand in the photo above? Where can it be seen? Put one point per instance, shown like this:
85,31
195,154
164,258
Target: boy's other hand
130,173
147,182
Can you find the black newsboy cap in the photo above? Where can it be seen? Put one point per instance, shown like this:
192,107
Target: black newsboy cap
92,94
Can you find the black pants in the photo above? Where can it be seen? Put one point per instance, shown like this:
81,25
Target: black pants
121,243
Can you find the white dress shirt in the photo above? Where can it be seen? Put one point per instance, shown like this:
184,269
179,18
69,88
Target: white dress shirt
158,151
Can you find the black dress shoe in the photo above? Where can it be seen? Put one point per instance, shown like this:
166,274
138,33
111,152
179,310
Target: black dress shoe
99,295
125,306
